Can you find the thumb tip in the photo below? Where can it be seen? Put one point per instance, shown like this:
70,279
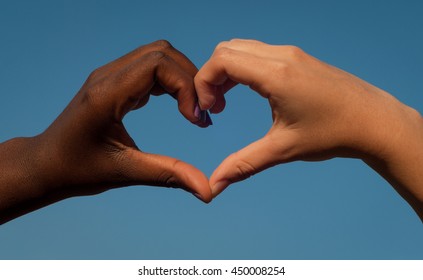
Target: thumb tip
206,199
219,187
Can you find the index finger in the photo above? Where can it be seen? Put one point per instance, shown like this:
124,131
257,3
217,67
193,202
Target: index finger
160,46
225,69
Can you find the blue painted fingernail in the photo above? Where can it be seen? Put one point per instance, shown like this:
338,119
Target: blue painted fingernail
208,119
204,116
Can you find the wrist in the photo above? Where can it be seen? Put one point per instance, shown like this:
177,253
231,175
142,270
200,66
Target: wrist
379,124
31,177
395,150
21,183
396,132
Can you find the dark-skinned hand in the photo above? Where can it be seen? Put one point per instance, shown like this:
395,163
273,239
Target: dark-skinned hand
87,149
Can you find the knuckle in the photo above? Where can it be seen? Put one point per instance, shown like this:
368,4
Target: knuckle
183,89
237,40
155,55
293,52
172,182
93,94
223,44
281,68
222,53
169,179
95,74
184,83
244,169
162,45
94,87
187,94
154,58
280,71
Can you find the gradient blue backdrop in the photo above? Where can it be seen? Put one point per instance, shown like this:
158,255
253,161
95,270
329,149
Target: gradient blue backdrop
338,209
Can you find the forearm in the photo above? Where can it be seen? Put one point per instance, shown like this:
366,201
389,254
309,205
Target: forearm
23,186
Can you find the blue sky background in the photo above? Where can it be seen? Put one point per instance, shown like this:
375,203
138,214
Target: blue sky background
338,209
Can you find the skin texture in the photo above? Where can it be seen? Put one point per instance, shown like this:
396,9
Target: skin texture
319,112
87,149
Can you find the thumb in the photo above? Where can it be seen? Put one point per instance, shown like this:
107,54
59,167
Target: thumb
158,170
241,165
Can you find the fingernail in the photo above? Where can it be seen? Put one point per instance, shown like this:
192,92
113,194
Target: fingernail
205,118
208,119
219,187
202,116
197,111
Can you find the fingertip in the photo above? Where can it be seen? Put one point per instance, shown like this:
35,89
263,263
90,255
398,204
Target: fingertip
206,200
206,98
203,118
219,180
205,195
200,187
195,115
187,106
194,181
218,106
219,187
206,102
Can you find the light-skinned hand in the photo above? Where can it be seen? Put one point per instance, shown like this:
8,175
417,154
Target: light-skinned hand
318,111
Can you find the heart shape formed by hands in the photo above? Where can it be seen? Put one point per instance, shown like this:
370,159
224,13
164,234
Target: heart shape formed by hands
94,149
318,112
